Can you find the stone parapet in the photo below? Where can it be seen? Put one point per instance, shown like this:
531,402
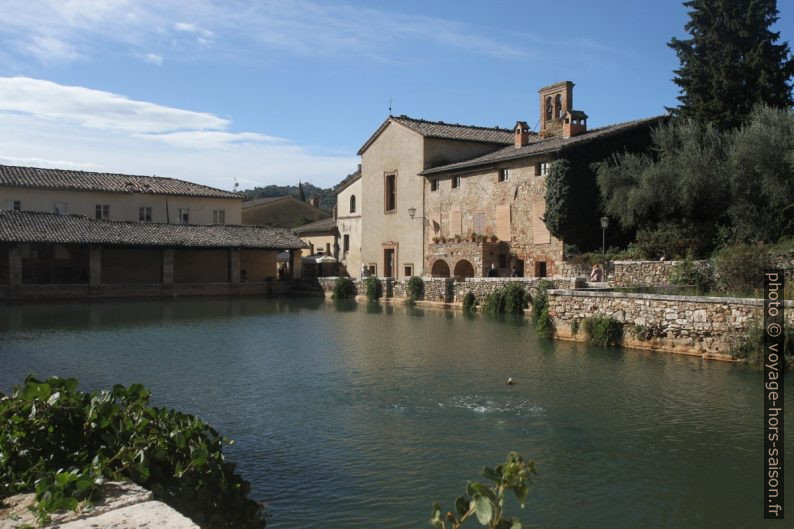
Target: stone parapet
645,273
706,326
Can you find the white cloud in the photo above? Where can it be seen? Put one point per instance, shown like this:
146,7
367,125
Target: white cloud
48,49
153,58
51,125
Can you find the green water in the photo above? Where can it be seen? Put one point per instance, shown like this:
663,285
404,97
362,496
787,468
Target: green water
361,418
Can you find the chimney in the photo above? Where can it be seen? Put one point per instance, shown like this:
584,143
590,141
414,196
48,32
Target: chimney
522,134
574,122
314,201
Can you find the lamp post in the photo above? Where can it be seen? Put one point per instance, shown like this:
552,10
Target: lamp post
604,226
412,213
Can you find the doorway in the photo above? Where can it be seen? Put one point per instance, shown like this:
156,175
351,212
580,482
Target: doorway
388,262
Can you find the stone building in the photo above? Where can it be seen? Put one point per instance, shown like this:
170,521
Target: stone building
49,255
321,237
392,190
110,196
348,223
489,209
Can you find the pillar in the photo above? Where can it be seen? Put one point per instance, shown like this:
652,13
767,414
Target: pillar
14,267
234,267
295,264
95,266
168,271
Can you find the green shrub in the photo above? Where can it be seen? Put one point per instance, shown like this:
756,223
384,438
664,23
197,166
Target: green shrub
739,269
373,288
540,301
575,326
750,346
415,288
469,301
603,332
515,298
63,444
544,325
671,241
343,288
494,303
686,273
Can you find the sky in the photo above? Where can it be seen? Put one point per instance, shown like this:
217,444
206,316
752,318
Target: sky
272,92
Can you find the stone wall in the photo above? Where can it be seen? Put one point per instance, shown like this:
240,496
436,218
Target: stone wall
706,326
483,286
645,273
565,269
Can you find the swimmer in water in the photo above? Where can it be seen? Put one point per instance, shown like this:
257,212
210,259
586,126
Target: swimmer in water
510,381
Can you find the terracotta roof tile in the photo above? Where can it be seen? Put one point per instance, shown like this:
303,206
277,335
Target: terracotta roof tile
66,180
38,227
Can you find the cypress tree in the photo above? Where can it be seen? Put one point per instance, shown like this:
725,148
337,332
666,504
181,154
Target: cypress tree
301,194
731,62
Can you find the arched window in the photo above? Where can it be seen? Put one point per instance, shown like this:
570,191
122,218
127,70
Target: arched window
352,203
548,108
557,106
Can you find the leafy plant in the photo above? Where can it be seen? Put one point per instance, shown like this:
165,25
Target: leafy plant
544,324
469,301
740,268
486,503
415,288
373,288
494,303
540,301
515,298
686,272
603,332
63,444
343,288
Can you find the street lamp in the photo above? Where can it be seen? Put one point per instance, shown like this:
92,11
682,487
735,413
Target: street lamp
412,213
604,226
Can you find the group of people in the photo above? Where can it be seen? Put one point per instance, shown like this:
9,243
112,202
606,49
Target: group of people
494,272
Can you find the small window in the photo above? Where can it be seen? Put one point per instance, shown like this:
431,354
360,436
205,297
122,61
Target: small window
183,215
434,184
219,216
346,243
145,213
502,260
59,207
373,270
352,203
14,205
391,192
409,270
542,168
504,175
102,211
455,182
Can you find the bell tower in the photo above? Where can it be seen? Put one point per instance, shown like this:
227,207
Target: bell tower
556,106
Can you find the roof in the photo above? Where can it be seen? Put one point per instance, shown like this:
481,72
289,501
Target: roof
39,227
539,145
448,131
328,224
66,180
269,200
348,181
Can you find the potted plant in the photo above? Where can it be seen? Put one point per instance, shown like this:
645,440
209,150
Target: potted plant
436,239
494,238
474,237
458,238
443,239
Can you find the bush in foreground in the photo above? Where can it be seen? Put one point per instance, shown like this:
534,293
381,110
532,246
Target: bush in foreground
63,444
604,332
343,288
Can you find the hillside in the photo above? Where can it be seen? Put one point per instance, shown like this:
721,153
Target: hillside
326,196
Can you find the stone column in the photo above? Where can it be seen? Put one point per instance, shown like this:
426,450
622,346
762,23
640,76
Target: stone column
168,271
295,263
14,267
234,267
95,267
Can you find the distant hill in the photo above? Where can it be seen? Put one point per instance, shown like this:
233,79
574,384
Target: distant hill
326,196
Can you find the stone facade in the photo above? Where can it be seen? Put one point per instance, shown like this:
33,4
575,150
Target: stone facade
706,326
466,258
485,203
348,223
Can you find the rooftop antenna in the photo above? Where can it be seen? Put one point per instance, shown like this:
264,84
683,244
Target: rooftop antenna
390,101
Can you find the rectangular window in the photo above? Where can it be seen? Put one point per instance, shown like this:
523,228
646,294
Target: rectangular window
434,185
373,270
102,211
455,182
409,270
59,207
504,175
145,213
391,192
346,243
183,215
14,205
219,216
542,169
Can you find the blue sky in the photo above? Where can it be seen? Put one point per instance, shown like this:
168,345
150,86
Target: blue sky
276,91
